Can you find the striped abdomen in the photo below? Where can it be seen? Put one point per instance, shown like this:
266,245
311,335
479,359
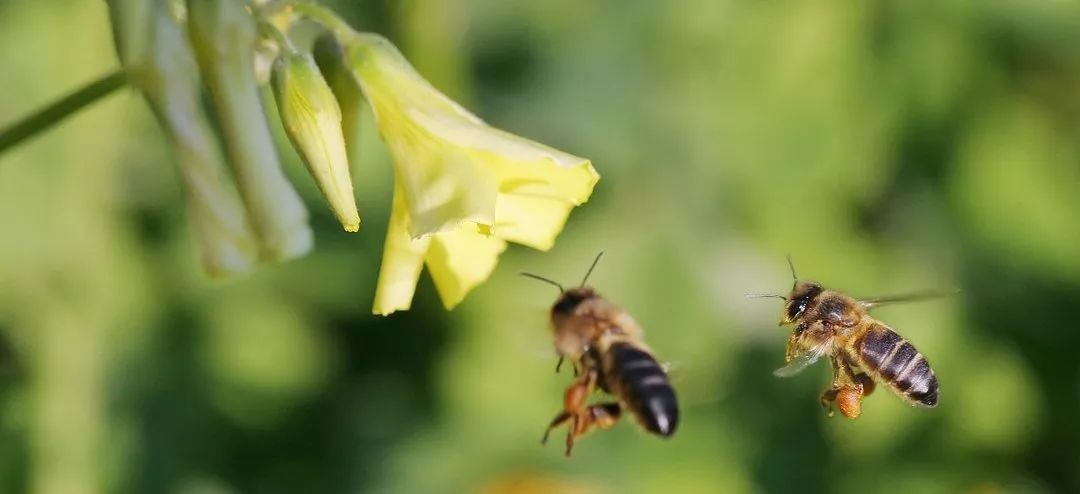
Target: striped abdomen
890,358
642,386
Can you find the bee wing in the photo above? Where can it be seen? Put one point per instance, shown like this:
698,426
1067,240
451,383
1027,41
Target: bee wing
803,360
907,297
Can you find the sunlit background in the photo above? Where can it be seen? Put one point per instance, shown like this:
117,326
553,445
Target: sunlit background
887,146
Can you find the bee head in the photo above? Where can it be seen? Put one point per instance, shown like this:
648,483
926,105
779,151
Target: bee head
570,299
803,295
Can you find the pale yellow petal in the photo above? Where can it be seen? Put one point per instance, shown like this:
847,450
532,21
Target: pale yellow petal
387,76
403,258
520,164
459,260
530,220
442,185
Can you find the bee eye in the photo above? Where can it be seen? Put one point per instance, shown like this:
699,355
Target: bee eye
796,309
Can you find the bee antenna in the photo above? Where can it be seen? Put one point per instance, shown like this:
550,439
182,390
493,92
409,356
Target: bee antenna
545,280
589,272
791,265
765,295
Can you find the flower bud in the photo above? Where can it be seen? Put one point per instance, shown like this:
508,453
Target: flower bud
159,63
312,120
330,59
224,36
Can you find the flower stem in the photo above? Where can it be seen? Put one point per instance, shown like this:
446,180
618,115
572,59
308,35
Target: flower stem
323,16
54,113
271,31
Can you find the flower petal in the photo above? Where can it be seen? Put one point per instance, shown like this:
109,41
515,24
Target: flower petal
530,220
403,258
520,164
442,185
459,260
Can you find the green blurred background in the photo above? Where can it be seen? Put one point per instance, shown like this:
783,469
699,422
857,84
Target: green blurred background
887,146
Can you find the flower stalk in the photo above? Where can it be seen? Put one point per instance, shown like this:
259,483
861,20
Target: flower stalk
56,112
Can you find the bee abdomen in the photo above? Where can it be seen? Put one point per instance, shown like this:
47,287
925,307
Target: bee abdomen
644,387
899,365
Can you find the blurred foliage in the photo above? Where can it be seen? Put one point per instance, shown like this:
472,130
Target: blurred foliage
886,146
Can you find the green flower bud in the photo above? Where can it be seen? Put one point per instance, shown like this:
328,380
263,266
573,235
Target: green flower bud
331,61
159,63
312,121
223,34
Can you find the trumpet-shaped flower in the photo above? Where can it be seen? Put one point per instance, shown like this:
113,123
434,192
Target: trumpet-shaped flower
463,188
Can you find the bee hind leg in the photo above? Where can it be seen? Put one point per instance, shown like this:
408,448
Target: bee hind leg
575,410
866,382
855,386
559,419
847,390
604,415
601,416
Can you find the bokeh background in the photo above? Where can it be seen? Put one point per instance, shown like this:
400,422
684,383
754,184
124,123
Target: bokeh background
887,146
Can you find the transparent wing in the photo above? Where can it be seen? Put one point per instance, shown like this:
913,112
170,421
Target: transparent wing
676,371
803,360
908,297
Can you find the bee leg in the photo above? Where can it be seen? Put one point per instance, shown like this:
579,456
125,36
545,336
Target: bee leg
829,396
849,397
867,383
604,415
559,365
827,399
557,421
792,345
574,409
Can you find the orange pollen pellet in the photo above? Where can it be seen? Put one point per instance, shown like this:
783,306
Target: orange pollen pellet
848,400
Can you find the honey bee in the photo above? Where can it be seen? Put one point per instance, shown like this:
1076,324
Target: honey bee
605,346
862,349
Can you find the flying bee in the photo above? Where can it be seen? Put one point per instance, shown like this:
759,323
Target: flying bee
862,349
605,346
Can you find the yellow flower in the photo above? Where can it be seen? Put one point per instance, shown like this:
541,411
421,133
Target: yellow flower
462,187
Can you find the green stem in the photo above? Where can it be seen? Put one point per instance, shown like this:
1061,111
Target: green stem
271,31
54,113
323,16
